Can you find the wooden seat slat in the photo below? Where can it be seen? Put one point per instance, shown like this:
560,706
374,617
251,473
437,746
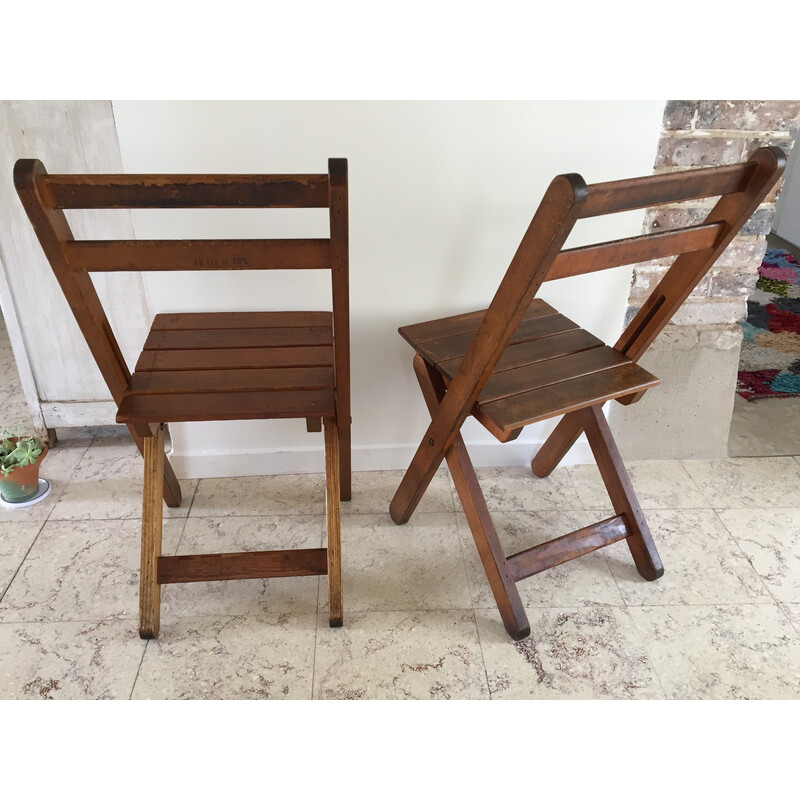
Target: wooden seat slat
243,337
231,380
235,320
243,358
212,406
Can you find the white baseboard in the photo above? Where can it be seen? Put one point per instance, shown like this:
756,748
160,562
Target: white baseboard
365,459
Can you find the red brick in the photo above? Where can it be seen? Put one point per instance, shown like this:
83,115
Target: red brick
748,115
699,151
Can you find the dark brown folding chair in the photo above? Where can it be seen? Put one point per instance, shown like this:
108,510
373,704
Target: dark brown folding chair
212,366
520,362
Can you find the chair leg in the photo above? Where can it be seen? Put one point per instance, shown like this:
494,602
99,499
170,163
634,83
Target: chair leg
152,511
619,488
332,491
480,522
557,445
345,471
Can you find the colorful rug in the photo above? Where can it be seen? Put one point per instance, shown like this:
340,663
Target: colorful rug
769,365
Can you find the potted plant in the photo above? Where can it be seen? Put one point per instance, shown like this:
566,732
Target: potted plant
20,457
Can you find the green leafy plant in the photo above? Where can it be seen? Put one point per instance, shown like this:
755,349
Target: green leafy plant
18,452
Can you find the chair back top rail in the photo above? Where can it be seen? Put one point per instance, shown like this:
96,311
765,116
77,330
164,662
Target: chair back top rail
183,191
672,187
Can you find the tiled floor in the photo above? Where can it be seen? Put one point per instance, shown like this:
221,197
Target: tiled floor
420,622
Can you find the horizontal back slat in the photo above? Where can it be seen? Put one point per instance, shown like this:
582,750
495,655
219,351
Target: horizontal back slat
582,260
673,187
198,254
184,191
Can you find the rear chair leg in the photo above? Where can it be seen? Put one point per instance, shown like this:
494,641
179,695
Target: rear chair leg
152,510
334,530
557,445
620,490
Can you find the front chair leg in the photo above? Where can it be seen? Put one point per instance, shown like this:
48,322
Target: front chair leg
503,587
332,490
152,513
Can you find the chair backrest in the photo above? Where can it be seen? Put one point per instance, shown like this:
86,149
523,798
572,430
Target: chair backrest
540,257
45,197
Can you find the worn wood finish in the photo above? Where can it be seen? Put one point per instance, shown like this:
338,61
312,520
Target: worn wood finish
473,504
197,255
340,290
152,511
203,366
571,545
242,566
185,191
332,521
542,241
520,361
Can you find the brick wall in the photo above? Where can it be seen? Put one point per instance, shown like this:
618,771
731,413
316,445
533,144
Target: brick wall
699,133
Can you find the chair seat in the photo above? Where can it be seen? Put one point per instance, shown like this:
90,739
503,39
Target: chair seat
233,365
551,366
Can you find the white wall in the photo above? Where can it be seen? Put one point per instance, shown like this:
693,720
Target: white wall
440,195
787,212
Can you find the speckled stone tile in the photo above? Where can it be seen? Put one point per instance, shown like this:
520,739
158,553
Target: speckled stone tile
702,564
58,468
583,581
107,484
82,571
16,413
252,657
258,496
748,482
722,652
15,539
68,660
420,655
770,538
518,489
373,491
578,654
792,611
658,484
388,567
257,596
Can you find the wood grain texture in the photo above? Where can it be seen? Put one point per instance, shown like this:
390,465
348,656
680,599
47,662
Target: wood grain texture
152,499
186,191
242,358
332,522
242,566
572,545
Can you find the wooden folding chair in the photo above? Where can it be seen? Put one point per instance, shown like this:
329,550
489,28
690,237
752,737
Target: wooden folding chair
520,362
212,366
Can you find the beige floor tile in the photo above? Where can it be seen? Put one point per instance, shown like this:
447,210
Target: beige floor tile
722,652
15,539
766,427
770,538
702,564
388,567
257,596
578,654
258,496
373,491
583,581
748,482
107,484
518,489
658,484
421,655
252,657
85,570
68,660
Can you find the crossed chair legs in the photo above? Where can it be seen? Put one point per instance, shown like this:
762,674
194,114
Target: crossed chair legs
504,571
157,570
